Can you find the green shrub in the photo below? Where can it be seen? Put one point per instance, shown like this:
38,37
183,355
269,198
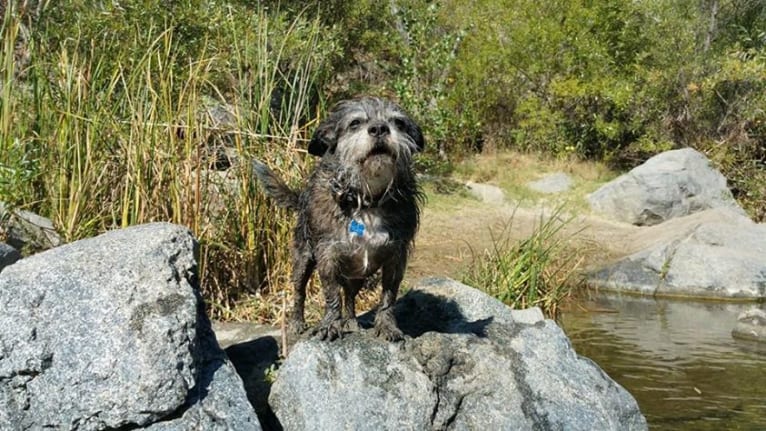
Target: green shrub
535,272
731,109
104,106
617,81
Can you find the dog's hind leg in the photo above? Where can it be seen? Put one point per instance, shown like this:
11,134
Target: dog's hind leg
303,266
350,289
331,325
385,321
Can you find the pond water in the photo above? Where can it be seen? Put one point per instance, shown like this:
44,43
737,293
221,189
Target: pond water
677,358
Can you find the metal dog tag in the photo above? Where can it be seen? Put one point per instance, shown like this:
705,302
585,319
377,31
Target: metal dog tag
356,227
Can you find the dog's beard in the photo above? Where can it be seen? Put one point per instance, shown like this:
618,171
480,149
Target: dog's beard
371,167
377,174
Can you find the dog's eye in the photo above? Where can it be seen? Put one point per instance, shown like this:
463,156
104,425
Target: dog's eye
355,123
400,124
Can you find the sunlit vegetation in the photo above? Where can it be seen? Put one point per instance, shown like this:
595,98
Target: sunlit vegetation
124,112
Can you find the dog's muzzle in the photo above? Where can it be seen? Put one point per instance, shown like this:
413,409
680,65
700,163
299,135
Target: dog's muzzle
378,129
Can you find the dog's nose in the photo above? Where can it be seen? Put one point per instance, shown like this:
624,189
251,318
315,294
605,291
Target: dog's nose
378,129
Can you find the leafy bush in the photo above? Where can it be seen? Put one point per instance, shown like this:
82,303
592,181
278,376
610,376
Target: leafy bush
616,80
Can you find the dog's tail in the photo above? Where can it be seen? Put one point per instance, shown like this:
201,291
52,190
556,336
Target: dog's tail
274,187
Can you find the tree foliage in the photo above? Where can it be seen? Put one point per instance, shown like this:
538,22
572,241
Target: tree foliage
93,96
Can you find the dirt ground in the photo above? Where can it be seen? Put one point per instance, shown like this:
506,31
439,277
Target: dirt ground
450,238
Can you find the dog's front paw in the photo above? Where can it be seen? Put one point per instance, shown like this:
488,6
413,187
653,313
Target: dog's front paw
328,331
386,329
351,325
297,326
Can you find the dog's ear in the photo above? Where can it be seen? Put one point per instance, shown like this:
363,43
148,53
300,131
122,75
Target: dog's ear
325,138
412,129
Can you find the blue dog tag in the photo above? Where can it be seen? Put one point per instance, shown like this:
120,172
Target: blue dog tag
356,228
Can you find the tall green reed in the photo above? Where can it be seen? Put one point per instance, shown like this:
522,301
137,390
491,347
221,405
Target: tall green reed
538,271
15,166
121,139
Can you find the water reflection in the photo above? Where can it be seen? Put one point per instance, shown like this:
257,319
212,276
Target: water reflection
677,358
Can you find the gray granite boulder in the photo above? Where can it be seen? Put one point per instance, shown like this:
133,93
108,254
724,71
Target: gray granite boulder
671,184
468,362
8,255
27,231
110,333
751,325
713,254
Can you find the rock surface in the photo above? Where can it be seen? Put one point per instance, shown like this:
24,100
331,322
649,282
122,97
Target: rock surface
713,254
486,193
8,255
110,333
751,325
671,184
28,231
219,122
255,352
554,183
469,362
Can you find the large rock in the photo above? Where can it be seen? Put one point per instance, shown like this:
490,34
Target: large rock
713,254
27,231
469,363
671,184
110,333
751,325
8,255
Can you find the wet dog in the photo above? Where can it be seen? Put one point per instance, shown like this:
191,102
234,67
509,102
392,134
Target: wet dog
358,213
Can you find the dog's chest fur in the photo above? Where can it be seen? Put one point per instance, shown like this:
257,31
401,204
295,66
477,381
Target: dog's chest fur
359,240
366,241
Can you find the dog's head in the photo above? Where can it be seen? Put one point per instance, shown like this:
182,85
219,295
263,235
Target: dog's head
371,137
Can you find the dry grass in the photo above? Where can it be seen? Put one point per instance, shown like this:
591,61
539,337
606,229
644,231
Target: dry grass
107,141
492,246
512,170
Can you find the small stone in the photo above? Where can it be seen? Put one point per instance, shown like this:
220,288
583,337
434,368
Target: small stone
554,183
486,193
751,325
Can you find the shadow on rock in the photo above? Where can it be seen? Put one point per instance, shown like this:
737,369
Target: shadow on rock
469,362
256,361
419,312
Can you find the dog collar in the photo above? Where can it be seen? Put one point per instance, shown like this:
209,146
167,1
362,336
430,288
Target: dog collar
351,198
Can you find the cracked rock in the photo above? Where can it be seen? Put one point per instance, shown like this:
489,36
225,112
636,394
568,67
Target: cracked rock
110,333
671,184
468,362
711,254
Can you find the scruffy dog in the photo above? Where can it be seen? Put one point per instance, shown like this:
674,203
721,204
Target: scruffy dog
358,213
